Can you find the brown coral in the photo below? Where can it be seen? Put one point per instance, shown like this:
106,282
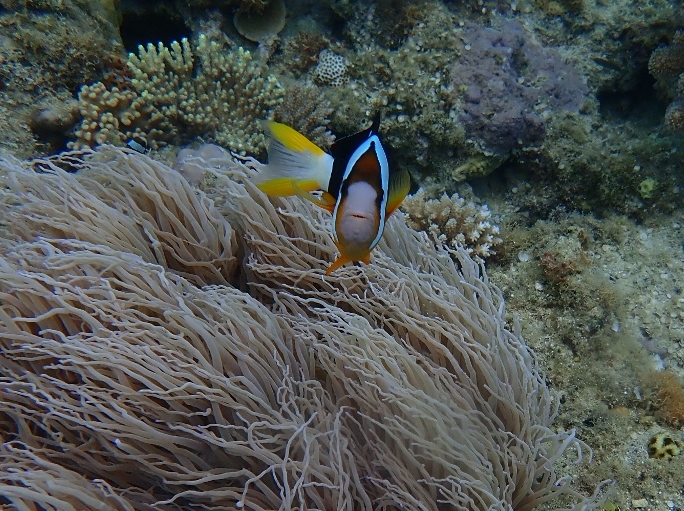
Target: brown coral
668,397
301,51
307,111
666,65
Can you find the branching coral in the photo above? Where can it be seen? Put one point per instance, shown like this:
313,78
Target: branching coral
114,116
453,222
180,92
395,384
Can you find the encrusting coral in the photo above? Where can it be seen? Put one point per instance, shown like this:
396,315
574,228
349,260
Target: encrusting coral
507,84
179,92
135,376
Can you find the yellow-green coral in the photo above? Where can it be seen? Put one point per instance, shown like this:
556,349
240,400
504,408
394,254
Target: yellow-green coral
646,188
180,92
114,116
663,446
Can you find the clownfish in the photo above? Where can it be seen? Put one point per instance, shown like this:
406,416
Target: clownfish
359,185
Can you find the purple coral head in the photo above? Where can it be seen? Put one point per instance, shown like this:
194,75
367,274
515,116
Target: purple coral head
504,80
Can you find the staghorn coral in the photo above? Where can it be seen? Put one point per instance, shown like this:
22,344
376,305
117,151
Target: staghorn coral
181,92
392,385
453,222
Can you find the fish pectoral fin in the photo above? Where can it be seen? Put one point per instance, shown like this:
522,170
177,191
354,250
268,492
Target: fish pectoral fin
326,201
400,183
284,186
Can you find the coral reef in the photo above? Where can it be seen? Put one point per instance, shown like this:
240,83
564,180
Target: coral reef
603,50
410,84
262,23
279,389
180,92
594,166
506,84
453,222
611,44
48,50
306,109
332,69
667,67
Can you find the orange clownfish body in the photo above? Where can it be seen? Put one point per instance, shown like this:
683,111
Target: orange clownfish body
359,188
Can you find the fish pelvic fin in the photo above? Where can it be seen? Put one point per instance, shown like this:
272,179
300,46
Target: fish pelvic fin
338,263
343,259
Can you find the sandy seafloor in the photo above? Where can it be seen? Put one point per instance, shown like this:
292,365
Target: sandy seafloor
600,335
602,369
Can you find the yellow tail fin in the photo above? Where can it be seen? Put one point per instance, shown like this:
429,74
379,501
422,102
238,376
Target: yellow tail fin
295,164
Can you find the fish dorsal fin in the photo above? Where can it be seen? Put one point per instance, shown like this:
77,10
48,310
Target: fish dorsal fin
292,139
342,149
399,185
375,127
